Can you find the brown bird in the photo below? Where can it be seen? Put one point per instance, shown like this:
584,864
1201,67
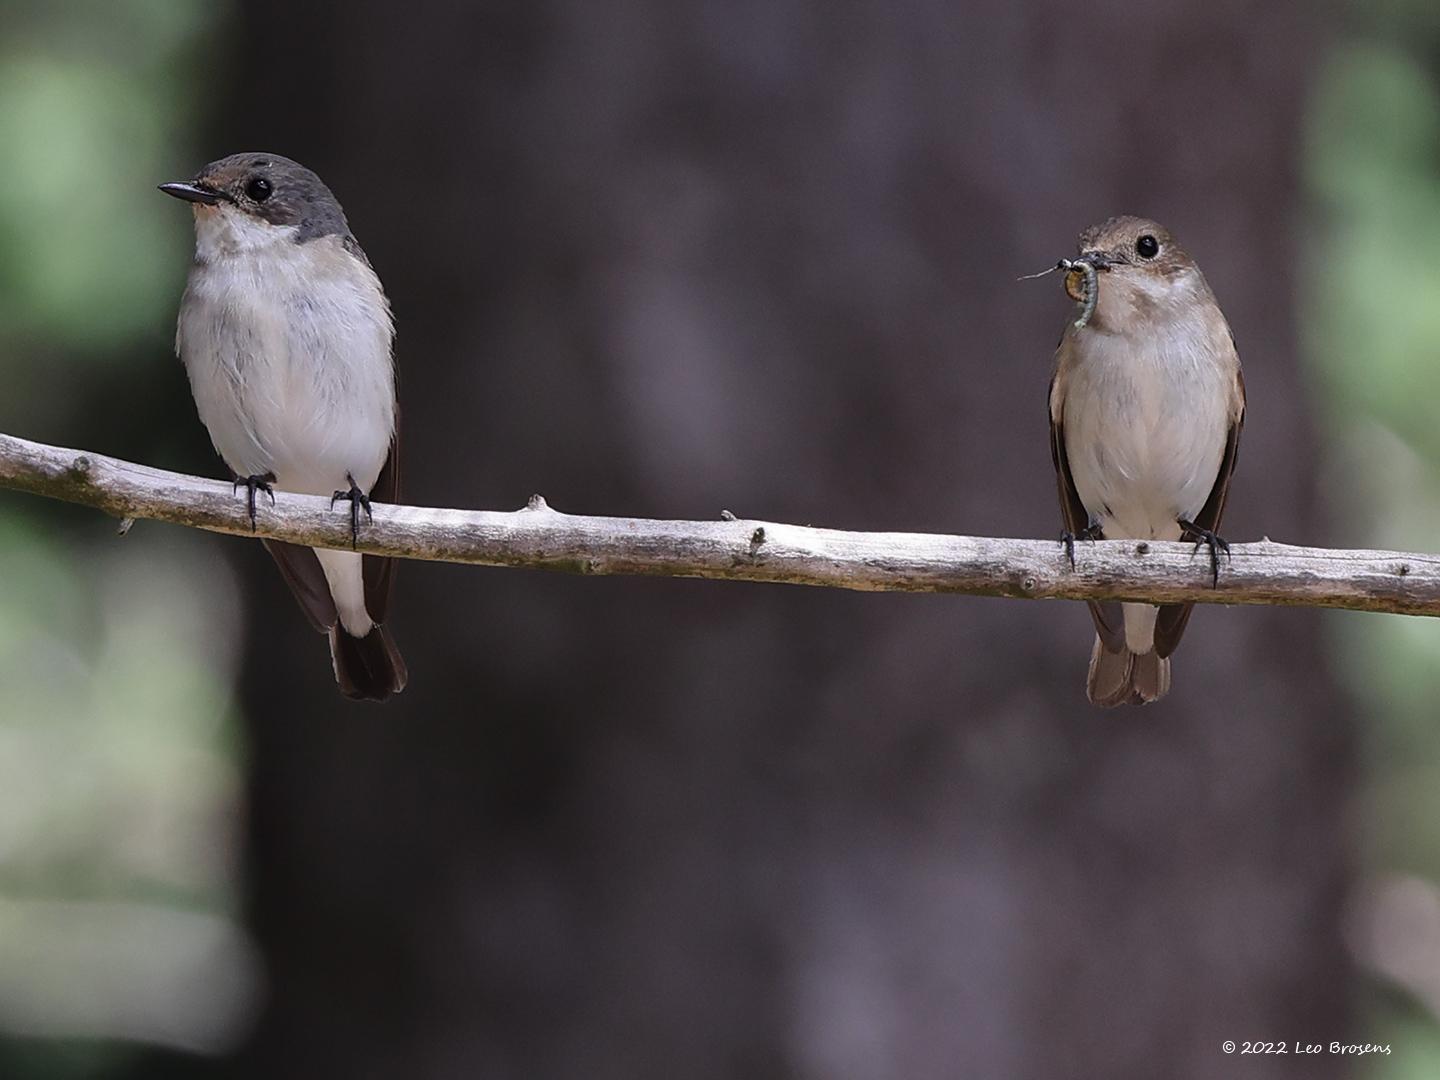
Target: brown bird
1146,407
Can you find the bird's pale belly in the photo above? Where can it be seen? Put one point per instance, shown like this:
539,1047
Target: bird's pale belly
316,448
1136,493
1142,461
297,383
307,432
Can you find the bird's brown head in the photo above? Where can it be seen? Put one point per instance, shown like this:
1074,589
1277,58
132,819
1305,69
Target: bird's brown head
1141,270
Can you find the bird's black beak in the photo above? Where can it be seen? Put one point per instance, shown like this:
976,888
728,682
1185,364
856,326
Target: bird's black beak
1098,259
192,192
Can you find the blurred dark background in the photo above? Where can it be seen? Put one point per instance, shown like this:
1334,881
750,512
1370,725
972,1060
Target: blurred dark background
660,258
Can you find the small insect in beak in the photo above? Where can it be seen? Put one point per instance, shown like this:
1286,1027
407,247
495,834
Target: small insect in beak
1082,284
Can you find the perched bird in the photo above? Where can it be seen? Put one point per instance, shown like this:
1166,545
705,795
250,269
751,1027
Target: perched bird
286,335
1146,407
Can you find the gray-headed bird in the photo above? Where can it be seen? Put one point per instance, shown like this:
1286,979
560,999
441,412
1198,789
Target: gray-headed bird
286,335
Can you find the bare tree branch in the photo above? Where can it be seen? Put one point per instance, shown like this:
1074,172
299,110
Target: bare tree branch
541,538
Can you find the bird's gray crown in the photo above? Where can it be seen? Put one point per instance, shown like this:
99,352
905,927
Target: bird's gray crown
278,190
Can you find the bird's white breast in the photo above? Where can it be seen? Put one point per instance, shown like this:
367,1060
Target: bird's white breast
1146,417
288,349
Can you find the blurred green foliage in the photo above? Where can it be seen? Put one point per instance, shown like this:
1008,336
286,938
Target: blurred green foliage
1372,331
93,97
120,768
1372,328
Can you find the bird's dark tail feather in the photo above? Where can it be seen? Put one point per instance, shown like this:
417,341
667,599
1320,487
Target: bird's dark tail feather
1125,678
368,667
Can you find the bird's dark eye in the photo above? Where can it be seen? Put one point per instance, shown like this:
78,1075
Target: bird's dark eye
1147,247
258,188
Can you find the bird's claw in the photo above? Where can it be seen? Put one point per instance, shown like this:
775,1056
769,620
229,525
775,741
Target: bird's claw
358,500
1090,533
253,483
1212,540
